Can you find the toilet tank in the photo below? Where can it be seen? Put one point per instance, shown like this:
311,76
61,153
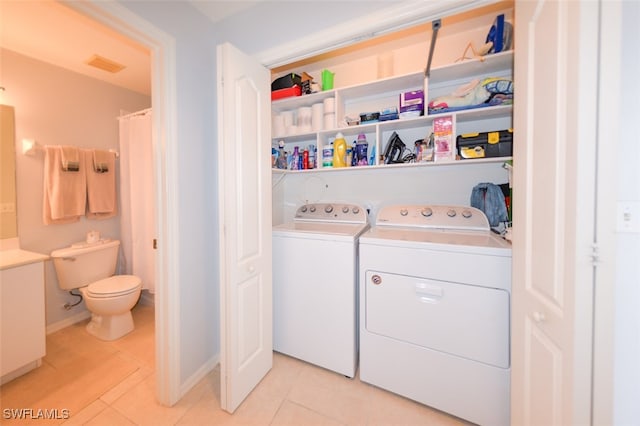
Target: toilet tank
83,263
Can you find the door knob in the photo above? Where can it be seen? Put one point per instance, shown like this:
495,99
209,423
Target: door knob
251,268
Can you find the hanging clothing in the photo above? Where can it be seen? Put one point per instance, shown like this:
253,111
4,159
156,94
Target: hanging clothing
489,198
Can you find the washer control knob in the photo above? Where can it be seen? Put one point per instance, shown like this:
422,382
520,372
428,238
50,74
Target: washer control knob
355,210
328,209
345,209
312,209
427,212
466,214
404,212
303,209
376,279
451,213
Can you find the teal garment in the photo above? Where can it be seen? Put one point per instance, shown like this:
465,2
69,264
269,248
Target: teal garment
489,198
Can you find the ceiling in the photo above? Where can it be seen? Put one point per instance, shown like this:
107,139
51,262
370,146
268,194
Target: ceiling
54,33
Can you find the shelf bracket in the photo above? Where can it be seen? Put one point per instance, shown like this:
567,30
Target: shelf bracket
435,26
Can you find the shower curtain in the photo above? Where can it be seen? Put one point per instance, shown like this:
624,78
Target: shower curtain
137,201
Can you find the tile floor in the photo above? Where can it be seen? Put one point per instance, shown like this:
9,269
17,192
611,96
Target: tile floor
113,383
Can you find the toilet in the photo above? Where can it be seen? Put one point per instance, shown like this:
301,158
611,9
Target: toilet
89,267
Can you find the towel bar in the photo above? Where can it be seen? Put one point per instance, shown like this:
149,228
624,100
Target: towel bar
30,147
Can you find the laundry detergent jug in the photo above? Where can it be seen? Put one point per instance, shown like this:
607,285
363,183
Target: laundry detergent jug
339,151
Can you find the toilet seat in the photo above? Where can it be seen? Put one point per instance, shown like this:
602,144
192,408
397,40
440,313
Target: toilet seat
117,285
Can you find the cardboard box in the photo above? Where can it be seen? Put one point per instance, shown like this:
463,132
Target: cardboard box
411,104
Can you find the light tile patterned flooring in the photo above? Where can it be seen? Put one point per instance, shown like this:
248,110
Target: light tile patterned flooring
113,383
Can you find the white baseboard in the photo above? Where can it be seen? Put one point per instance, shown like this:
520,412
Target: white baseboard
147,298
199,375
80,316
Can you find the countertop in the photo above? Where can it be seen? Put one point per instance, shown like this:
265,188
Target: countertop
17,257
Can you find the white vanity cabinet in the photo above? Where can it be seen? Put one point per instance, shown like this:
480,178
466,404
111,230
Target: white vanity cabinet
22,313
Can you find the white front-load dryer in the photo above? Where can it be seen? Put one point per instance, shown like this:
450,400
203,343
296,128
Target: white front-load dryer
315,279
435,287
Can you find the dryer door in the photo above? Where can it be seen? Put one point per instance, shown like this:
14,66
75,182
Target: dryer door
464,320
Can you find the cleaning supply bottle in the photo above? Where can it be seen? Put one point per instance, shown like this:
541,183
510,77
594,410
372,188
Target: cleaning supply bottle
361,150
312,156
339,151
327,155
305,159
281,161
295,160
354,154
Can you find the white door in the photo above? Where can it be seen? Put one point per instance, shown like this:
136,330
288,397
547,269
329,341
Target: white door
244,177
554,192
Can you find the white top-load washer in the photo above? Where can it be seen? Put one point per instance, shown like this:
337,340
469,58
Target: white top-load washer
435,288
315,281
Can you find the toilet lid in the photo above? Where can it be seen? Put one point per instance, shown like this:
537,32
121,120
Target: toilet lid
116,285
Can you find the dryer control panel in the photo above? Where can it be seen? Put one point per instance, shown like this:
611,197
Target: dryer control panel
450,218
331,212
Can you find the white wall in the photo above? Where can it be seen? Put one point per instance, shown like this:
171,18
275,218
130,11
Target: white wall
627,285
197,265
58,107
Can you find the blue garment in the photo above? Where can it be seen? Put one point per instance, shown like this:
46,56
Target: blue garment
489,198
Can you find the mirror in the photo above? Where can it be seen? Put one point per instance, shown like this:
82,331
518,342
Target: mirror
8,217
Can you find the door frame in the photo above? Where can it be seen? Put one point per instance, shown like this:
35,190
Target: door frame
164,141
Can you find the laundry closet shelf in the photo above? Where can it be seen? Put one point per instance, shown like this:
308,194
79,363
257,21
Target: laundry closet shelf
358,169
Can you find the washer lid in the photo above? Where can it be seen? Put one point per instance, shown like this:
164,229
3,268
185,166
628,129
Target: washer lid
114,286
484,243
320,230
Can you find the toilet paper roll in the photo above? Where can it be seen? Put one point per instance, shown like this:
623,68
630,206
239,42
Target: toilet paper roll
329,121
288,118
317,117
304,117
278,125
329,105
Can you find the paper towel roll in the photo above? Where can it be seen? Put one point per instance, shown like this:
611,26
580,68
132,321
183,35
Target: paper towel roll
329,121
329,105
317,117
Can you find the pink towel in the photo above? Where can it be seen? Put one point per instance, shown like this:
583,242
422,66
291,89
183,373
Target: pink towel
101,184
64,199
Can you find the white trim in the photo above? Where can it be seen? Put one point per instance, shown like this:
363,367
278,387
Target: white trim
200,374
167,306
69,321
608,132
147,298
395,17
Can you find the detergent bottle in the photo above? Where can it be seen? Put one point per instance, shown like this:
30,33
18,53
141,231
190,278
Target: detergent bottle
361,150
339,151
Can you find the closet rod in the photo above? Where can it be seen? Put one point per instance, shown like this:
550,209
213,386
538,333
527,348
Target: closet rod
30,147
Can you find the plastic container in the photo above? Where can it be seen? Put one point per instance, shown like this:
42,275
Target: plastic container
327,156
361,150
312,156
295,161
339,151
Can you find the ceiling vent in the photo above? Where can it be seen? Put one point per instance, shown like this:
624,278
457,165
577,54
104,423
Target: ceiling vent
105,64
